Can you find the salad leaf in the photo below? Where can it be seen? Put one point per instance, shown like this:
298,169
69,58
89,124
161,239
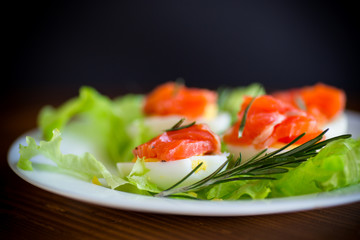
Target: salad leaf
126,128
254,189
230,99
116,125
89,100
138,177
85,165
336,165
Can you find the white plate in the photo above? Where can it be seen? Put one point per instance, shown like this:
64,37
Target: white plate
83,191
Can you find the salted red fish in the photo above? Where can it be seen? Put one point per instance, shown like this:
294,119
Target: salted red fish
179,144
271,121
322,101
176,99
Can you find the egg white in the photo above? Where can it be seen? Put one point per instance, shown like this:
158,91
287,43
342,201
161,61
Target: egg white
158,124
166,174
337,127
246,151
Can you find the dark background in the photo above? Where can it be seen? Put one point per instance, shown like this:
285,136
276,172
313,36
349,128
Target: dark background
130,46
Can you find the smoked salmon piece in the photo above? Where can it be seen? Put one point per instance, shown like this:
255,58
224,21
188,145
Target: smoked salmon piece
324,102
271,121
176,99
195,140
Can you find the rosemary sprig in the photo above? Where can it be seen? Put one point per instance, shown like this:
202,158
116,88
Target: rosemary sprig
258,167
178,126
243,119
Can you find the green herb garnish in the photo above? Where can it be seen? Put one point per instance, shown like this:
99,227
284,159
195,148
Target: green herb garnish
258,167
243,119
178,126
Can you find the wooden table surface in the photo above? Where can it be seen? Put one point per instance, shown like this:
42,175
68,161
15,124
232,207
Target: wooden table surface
28,212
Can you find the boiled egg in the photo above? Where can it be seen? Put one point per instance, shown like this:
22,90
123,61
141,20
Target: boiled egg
166,174
337,126
158,124
249,151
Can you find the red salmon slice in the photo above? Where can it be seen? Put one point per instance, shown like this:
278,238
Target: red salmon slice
322,101
176,99
179,144
271,121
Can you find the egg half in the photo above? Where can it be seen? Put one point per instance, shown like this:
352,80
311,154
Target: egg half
337,126
158,124
166,174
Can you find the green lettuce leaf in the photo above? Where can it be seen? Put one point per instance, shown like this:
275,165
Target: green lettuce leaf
85,166
337,165
114,125
138,177
126,128
255,189
89,100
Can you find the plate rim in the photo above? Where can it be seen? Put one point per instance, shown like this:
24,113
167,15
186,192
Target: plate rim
130,201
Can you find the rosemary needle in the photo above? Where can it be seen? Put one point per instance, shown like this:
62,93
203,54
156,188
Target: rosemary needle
178,126
243,119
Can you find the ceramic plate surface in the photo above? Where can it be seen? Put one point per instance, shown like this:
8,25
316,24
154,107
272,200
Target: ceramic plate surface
87,192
